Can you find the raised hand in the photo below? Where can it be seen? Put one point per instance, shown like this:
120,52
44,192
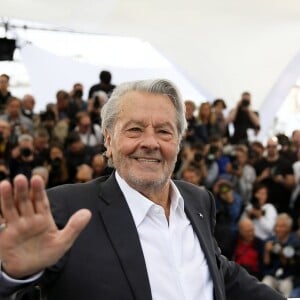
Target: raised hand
30,240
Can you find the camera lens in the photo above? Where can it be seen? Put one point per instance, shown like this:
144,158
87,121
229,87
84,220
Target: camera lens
288,251
26,152
198,156
245,103
276,248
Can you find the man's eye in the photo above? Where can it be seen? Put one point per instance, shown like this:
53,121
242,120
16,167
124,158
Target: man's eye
135,129
162,131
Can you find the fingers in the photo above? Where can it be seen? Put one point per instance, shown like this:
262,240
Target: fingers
21,196
22,200
8,208
74,226
38,195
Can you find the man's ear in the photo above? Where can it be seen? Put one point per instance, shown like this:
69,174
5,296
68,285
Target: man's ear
107,143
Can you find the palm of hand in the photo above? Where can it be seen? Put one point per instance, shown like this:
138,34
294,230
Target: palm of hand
31,241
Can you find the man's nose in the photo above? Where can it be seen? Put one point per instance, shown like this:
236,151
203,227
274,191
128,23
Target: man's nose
150,140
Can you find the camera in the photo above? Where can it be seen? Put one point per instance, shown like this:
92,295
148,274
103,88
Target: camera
56,165
47,116
289,251
96,103
78,94
198,156
277,248
211,156
245,103
224,188
256,205
26,152
235,164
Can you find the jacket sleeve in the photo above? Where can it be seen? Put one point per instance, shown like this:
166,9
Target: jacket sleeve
238,283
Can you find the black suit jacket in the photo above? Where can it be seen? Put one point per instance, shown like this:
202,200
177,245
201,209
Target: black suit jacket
107,262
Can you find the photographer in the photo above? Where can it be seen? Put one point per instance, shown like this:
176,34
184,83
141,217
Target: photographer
104,85
212,169
277,174
22,159
57,166
95,105
228,212
202,158
76,97
279,256
19,124
243,118
77,153
263,214
90,133
190,135
192,174
5,145
243,174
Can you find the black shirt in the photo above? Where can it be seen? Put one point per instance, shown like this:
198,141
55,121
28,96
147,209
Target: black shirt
279,195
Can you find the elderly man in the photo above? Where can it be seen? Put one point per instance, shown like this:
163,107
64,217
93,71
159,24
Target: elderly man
248,250
5,145
28,103
140,235
280,256
19,124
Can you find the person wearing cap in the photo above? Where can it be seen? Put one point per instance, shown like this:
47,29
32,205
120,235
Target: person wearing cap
228,211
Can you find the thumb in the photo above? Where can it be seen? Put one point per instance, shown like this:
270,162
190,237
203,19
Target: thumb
75,225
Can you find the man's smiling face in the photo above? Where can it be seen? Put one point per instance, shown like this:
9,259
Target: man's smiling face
144,142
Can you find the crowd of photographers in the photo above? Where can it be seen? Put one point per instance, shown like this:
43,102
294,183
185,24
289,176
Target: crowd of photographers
256,187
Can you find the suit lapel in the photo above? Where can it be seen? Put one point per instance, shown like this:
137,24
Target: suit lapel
123,234
199,216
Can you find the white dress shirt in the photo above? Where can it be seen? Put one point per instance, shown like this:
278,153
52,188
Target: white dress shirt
176,265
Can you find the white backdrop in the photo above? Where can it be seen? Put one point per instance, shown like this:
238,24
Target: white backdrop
49,72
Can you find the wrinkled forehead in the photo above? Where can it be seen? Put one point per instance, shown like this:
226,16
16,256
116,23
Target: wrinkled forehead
146,104
139,96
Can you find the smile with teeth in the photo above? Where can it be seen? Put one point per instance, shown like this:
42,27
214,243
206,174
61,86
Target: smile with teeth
148,159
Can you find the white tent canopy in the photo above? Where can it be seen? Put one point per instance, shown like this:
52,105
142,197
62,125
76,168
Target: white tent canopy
223,47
